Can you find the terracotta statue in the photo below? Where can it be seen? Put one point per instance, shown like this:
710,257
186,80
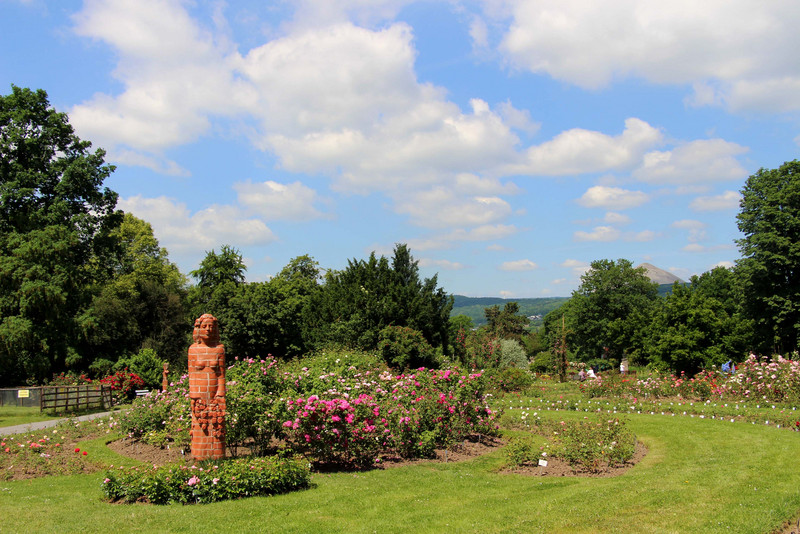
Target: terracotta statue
165,377
207,389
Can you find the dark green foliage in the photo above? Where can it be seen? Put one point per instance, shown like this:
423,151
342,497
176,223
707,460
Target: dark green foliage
770,264
143,306
609,313
700,325
264,318
510,379
211,481
146,365
55,226
404,348
506,323
218,278
543,362
354,305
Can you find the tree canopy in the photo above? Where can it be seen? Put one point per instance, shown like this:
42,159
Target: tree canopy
56,222
609,312
354,305
770,221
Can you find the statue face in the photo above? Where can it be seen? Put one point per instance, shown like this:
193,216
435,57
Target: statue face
207,331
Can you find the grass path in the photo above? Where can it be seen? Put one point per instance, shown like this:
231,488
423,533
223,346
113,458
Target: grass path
699,476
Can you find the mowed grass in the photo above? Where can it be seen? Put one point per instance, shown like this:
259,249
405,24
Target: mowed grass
16,415
698,476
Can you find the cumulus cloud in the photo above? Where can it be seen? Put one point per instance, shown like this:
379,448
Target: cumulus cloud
598,233
518,265
613,217
747,60
188,233
447,265
577,267
696,229
729,200
614,198
174,72
442,208
275,201
579,151
706,160
643,236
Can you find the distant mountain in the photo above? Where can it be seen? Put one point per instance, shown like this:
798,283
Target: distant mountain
660,276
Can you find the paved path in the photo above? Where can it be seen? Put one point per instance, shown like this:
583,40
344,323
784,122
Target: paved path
39,425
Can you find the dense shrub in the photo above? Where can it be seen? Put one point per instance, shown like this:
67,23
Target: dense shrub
146,365
402,347
208,481
543,362
510,379
512,354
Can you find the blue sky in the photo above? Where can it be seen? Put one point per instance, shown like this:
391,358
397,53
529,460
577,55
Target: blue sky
508,142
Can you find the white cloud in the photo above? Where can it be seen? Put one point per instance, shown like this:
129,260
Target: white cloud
697,229
706,160
188,233
614,198
577,267
518,119
694,247
598,233
613,217
487,232
643,236
175,75
746,62
726,264
519,265
441,208
688,224
558,281
442,264
275,201
729,200
579,151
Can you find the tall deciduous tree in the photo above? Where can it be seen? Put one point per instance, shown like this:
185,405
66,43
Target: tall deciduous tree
267,317
609,312
143,306
506,323
770,221
56,221
218,278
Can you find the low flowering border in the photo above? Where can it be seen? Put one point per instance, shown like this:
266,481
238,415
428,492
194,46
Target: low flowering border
207,481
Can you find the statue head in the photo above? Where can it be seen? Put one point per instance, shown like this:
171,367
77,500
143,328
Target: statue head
206,329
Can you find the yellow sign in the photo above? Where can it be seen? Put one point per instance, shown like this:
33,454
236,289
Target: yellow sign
23,393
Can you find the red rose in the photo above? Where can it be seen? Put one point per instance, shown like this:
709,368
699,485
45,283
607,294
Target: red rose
84,453
77,449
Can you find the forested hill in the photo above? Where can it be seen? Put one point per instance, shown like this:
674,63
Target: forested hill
474,306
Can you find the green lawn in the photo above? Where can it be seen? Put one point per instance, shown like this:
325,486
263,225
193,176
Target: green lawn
699,476
13,415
